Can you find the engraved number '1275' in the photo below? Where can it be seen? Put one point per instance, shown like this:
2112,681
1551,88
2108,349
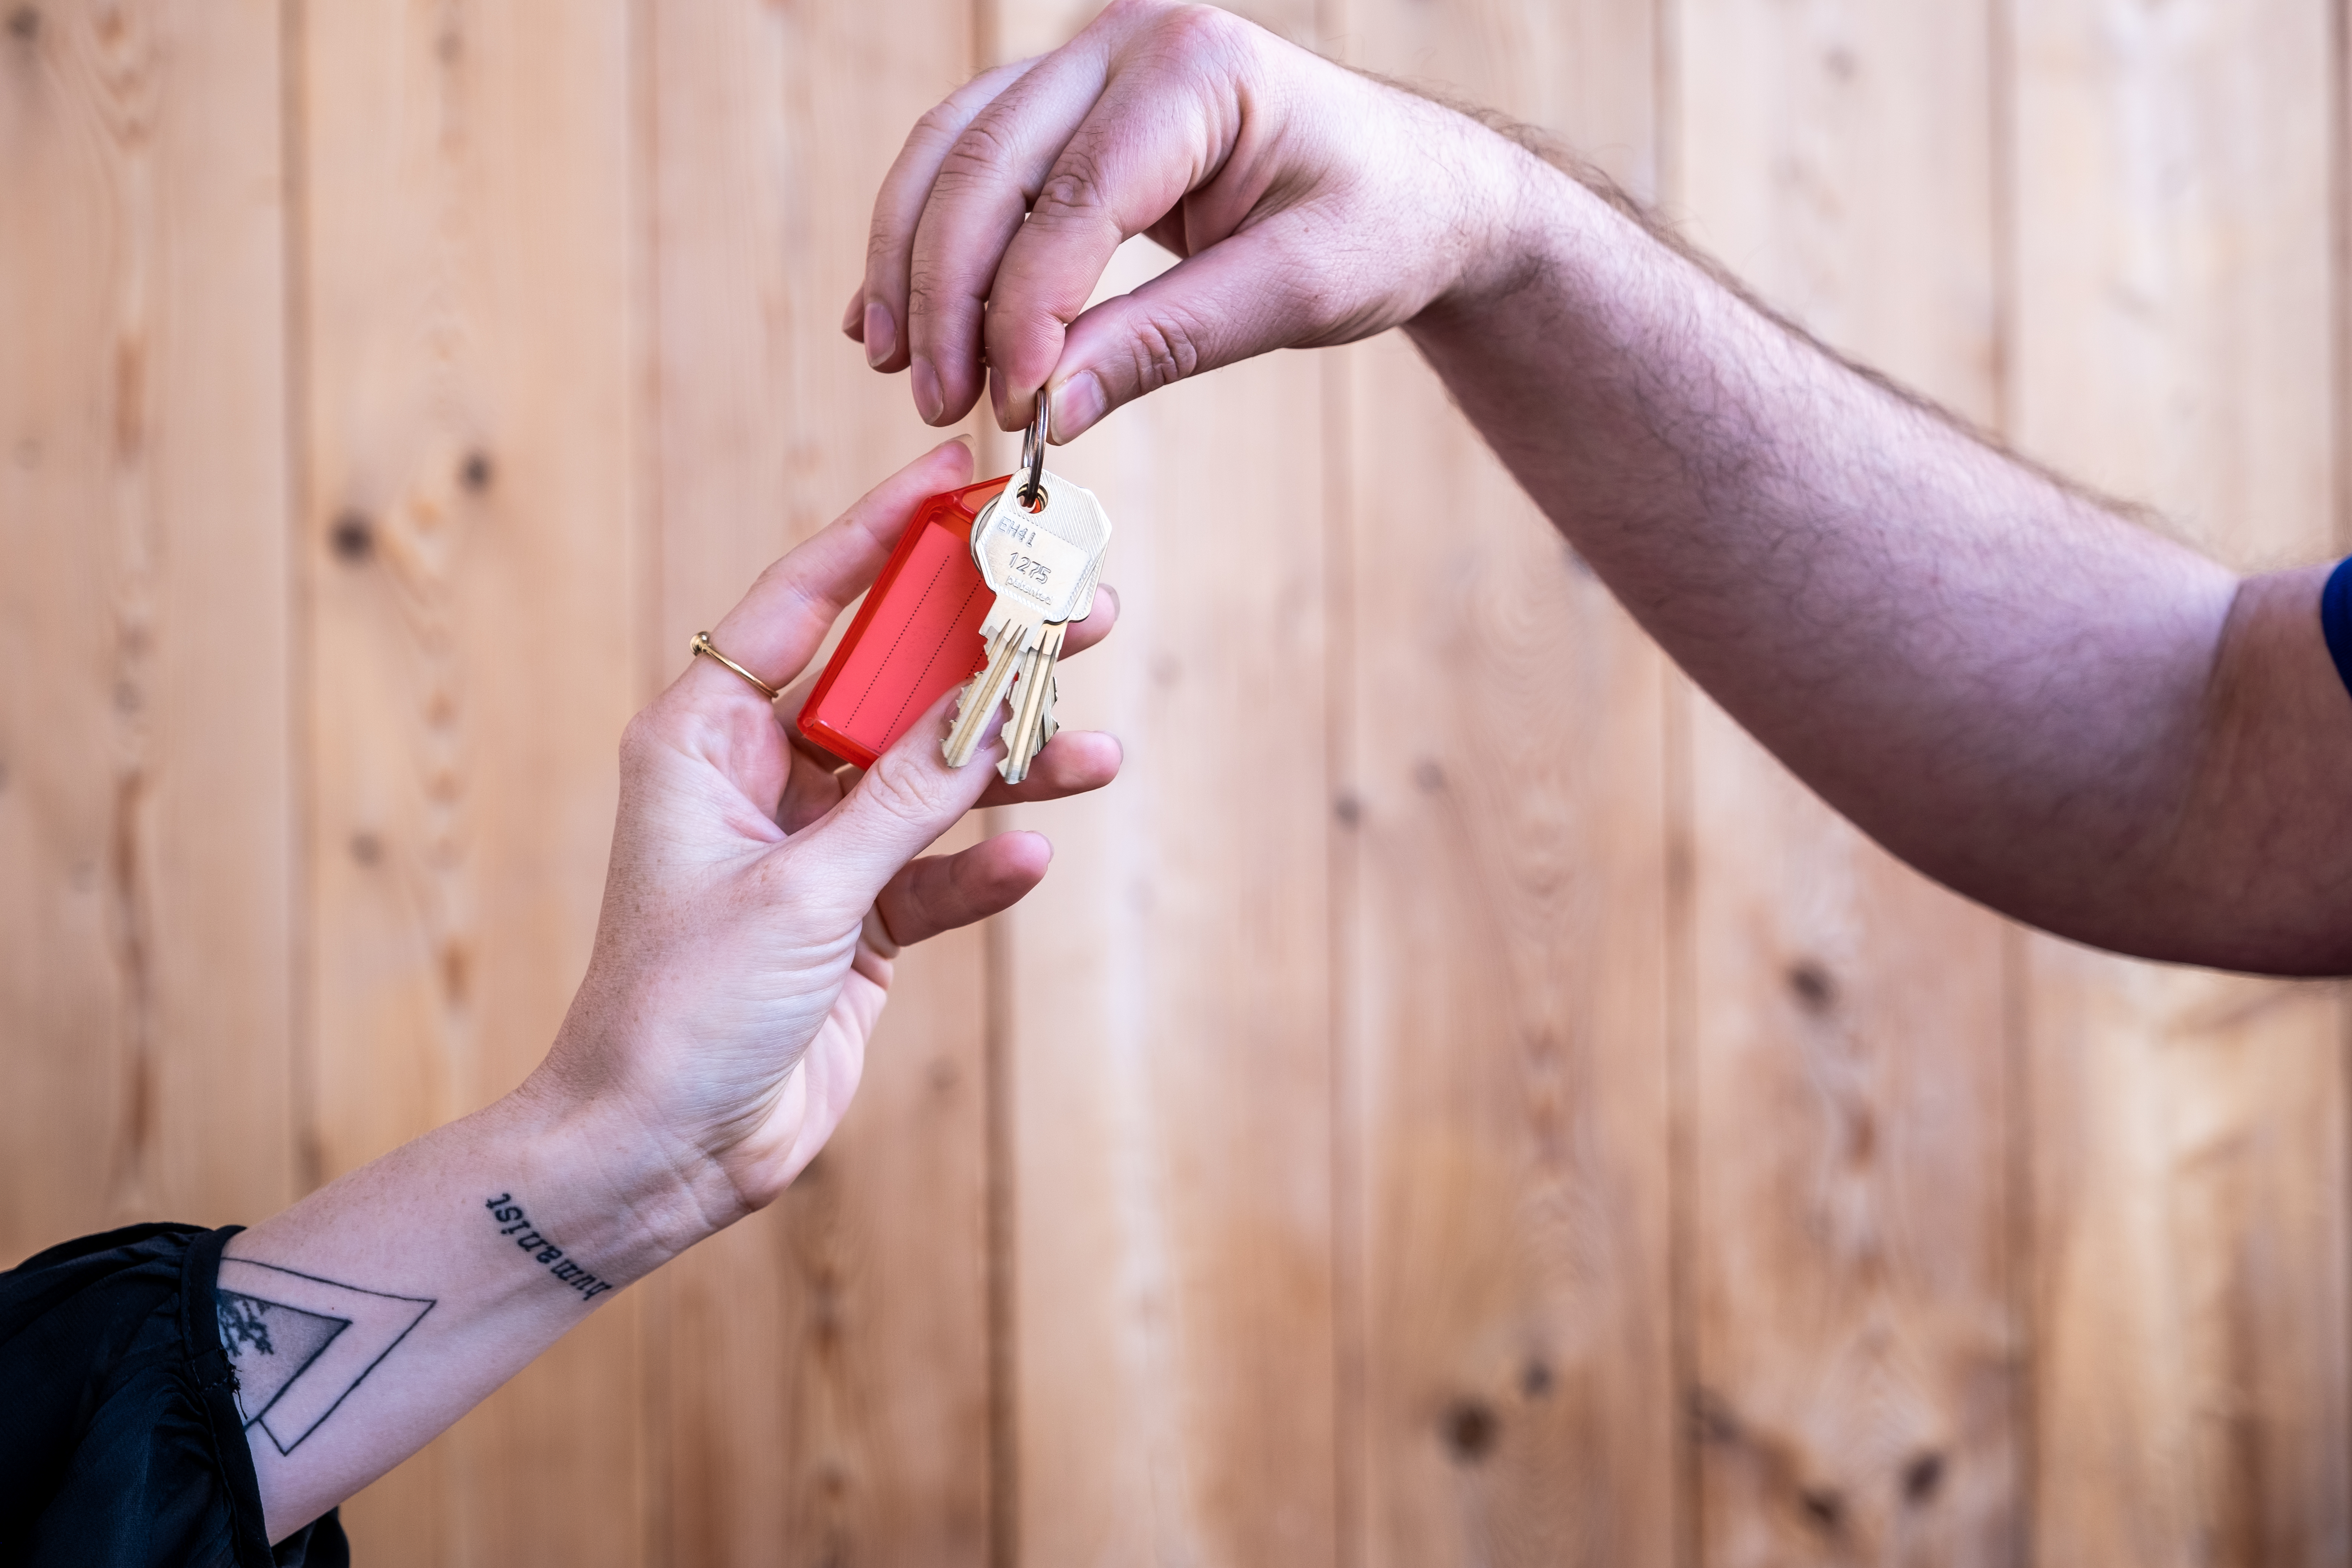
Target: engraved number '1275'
1029,566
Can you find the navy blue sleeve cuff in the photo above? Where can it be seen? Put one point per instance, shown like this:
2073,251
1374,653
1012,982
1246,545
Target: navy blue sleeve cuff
2336,619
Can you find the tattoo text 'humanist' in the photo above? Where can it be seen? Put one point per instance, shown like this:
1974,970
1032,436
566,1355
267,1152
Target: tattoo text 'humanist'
508,1214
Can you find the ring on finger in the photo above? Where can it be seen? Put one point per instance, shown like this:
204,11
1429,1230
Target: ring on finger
703,648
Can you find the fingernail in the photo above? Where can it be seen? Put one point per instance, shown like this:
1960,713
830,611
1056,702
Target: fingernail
1077,403
881,334
929,402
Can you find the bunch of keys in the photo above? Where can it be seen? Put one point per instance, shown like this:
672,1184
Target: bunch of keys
981,586
1039,546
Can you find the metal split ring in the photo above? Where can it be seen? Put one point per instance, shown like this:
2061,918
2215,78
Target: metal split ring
1033,453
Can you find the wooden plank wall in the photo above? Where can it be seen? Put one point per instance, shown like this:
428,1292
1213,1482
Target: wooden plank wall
147,878
1856,1357
1538,1130
2176,309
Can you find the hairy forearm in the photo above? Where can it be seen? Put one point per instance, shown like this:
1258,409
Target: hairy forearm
2003,681
370,1316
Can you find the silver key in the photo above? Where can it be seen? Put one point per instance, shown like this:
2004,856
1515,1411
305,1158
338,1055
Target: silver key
1012,633
1037,563
1033,723
1023,737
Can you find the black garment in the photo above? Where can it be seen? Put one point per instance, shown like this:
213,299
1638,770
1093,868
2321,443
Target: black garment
120,1444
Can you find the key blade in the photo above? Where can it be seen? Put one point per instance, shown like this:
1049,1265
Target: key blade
983,692
1025,736
1018,748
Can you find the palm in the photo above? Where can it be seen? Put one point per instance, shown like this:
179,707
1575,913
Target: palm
743,954
787,999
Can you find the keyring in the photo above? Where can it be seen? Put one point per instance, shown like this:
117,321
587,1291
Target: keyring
1033,452
702,647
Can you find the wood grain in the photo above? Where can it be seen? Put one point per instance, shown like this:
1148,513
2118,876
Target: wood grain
821,1372
1503,794
1457,1100
1853,1300
1165,999
469,536
146,856
2174,341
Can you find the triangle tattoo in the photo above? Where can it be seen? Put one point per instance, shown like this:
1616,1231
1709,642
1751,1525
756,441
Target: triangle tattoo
301,1343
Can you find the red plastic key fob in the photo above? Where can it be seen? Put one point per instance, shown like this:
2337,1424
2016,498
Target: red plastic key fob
916,638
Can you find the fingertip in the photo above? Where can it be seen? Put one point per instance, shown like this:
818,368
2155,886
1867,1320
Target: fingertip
930,402
1024,856
1114,753
879,332
1083,760
852,316
1077,403
956,452
1100,620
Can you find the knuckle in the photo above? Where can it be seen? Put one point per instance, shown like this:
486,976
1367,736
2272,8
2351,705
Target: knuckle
639,738
1195,35
984,153
902,789
1166,348
933,292
1075,185
943,121
1120,16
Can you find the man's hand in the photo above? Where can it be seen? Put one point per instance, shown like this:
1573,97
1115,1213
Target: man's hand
1311,206
2011,686
757,897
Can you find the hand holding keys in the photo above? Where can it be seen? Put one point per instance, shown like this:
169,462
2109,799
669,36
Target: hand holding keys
1040,546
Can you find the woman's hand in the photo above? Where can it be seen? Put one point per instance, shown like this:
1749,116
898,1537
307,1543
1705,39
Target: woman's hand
1311,205
757,896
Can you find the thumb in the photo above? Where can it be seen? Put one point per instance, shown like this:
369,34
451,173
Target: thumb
899,808
1263,289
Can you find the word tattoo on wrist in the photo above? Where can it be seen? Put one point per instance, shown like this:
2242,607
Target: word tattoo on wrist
508,1213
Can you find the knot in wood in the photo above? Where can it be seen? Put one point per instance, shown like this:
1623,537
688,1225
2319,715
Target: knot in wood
1470,1429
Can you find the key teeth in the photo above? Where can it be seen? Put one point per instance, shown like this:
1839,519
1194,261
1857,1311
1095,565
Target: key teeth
955,726
1031,726
1007,652
964,697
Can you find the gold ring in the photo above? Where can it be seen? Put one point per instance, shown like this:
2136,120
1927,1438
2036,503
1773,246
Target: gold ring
702,647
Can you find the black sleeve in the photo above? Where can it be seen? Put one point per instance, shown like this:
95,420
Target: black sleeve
123,1446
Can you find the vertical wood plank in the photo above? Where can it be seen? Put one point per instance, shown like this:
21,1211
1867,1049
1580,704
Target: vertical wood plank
470,546
1506,950
1166,1000
820,1371
145,765
1166,996
1855,1345
2173,342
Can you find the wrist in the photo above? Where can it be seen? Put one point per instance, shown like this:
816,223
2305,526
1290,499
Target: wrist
1498,220
609,1185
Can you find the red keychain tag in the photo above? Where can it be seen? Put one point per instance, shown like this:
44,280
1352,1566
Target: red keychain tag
915,639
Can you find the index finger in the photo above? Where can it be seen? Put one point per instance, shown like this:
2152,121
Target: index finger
878,316
778,625
971,206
